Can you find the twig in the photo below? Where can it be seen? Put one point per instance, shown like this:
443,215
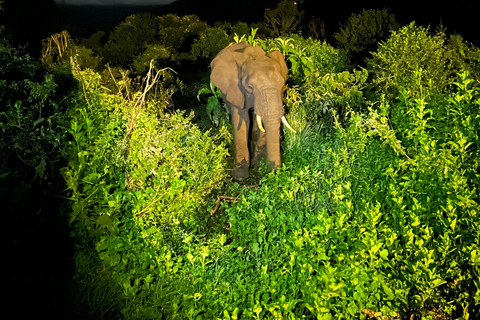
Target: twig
219,199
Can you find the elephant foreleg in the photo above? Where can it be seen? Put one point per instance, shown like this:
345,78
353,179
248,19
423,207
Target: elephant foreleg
240,123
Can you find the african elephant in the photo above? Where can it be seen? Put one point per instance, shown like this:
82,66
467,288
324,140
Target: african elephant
251,79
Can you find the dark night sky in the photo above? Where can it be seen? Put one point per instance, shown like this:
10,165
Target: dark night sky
459,16
87,16
114,2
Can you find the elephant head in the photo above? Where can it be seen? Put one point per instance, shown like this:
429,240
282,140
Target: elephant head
249,78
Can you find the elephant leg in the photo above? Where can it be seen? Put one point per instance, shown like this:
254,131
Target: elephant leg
240,121
259,142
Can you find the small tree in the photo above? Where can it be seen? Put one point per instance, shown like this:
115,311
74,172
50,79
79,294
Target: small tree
95,42
284,19
129,39
413,60
178,33
362,32
210,42
315,29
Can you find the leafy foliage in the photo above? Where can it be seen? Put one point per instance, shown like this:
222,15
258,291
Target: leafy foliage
373,213
130,38
284,19
216,111
410,51
152,157
462,56
135,176
31,114
211,42
319,78
361,33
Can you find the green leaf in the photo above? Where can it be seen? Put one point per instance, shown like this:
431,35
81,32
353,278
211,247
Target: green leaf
104,221
40,120
453,224
376,247
4,175
202,91
40,169
255,247
384,254
352,308
212,104
226,315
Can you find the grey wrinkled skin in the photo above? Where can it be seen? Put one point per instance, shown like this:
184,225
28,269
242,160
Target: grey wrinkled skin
249,79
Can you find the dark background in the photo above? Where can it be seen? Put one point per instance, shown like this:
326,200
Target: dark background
32,20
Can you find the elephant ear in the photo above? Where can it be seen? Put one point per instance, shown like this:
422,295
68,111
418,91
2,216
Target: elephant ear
279,57
225,72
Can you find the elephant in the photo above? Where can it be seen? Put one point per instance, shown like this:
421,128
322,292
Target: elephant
250,79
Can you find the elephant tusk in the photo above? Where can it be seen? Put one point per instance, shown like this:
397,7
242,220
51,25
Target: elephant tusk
259,122
287,125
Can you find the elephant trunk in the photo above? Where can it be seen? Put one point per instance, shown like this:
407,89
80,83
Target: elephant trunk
272,132
270,110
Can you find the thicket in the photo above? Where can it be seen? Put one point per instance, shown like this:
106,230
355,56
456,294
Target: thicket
32,107
360,35
374,212
413,60
33,122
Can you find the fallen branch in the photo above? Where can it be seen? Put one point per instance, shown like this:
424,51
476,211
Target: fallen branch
219,199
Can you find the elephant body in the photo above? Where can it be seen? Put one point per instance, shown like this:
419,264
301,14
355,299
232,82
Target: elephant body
251,79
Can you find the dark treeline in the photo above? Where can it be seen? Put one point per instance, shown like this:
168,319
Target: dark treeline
29,21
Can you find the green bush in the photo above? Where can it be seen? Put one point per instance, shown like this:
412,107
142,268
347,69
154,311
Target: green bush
179,33
319,81
156,52
429,190
129,39
211,42
336,92
357,222
362,32
462,56
410,59
158,157
282,20
136,176
306,56
32,114
240,28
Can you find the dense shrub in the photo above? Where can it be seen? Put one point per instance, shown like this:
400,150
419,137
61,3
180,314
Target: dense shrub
32,114
410,59
157,156
318,78
282,20
129,39
179,33
160,54
429,190
211,42
358,222
361,33
136,176
306,56
462,56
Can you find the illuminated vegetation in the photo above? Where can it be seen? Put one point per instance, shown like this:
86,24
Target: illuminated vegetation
374,213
